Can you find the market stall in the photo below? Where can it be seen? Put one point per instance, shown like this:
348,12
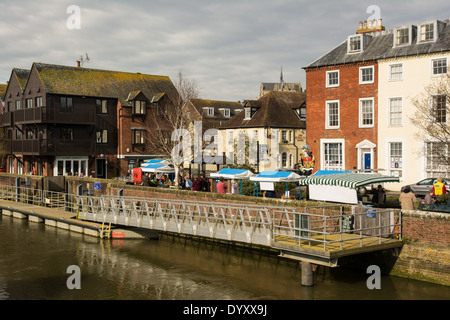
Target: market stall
233,174
342,187
267,179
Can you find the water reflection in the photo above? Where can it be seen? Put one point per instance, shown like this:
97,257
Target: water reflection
34,259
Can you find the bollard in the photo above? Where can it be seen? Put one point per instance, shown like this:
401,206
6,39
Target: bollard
307,274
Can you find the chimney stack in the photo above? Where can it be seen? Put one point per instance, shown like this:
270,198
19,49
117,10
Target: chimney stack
78,64
370,26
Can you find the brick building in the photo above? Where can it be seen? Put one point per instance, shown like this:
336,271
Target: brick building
359,99
78,121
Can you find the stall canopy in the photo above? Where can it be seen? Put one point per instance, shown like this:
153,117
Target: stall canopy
348,180
157,168
157,161
342,187
277,176
237,174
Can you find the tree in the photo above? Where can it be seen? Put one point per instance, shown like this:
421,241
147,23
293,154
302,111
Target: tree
171,122
432,118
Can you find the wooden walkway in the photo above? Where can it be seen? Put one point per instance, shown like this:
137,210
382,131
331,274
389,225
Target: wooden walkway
336,246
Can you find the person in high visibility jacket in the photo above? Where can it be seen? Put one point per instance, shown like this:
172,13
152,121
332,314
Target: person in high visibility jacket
439,187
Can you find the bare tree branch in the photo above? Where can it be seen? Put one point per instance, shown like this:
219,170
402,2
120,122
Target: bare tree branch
432,118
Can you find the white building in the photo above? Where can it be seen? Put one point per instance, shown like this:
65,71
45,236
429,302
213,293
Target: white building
418,57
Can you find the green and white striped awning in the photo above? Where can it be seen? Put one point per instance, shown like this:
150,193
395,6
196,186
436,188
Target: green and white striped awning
348,180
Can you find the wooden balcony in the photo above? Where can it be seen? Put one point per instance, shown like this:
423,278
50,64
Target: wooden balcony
43,147
51,115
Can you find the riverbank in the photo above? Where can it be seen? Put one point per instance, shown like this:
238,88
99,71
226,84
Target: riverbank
425,255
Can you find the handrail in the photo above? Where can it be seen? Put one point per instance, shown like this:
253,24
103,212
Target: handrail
266,225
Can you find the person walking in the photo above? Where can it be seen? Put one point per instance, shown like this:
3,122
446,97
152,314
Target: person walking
407,199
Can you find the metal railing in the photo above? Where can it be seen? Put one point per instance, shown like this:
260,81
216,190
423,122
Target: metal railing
323,228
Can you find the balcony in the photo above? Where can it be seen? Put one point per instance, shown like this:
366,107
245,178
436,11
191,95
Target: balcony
51,115
44,147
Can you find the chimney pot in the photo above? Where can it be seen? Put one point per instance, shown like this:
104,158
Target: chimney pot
78,63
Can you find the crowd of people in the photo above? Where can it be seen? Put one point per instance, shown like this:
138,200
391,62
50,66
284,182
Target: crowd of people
409,201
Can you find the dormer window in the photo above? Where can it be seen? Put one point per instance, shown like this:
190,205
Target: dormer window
210,112
355,44
248,113
226,113
139,107
426,32
403,36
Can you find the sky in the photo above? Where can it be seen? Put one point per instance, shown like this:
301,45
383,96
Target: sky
227,47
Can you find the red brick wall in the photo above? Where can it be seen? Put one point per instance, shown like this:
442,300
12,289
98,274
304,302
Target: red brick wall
427,227
348,93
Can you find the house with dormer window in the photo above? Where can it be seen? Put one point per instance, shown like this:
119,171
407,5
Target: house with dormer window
359,100
77,121
274,124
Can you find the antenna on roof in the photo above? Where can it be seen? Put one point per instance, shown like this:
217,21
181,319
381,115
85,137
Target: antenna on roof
82,61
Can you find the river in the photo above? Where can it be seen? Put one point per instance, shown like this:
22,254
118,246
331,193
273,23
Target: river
34,261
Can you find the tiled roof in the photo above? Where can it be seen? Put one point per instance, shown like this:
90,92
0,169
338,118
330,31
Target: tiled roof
22,76
201,106
381,46
102,83
3,90
274,110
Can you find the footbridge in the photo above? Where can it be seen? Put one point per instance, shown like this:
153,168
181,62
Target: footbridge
313,235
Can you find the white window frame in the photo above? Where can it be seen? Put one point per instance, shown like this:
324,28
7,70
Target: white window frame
432,66
420,38
361,43
361,118
410,36
401,168
327,115
323,143
361,81
390,124
328,85
432,109
390,71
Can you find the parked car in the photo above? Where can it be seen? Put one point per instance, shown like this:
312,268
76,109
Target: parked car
422,187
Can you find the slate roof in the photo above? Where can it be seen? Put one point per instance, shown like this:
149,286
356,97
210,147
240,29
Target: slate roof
275,110
66,80
201,106
381,46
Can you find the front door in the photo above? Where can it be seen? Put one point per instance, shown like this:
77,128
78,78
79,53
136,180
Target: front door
367,161
101,169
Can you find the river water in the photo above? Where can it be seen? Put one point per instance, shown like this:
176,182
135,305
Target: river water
34,261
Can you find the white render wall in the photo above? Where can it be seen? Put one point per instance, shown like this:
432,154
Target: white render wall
417,75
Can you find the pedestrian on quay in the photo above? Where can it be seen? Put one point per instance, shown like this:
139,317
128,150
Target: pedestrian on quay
429,198
221,186
196,184
234,187
407,199
187,183
439,188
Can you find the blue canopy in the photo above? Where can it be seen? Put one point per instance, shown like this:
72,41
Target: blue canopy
277,176
326,172
227,173
161,168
